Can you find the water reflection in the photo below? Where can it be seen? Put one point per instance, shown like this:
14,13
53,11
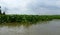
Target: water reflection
40,28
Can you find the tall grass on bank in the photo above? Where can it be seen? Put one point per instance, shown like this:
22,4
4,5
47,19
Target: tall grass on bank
26,18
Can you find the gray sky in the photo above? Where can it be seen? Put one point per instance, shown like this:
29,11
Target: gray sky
31,6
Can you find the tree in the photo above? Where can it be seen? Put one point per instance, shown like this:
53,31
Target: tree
0,10
3,13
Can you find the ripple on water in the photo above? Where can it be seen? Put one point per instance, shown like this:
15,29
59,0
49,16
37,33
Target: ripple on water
42,28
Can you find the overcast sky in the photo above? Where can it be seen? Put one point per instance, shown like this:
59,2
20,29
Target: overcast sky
31,6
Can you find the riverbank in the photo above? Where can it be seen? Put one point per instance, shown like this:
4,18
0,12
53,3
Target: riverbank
27,18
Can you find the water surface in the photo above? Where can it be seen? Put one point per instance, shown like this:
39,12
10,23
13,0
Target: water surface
41,28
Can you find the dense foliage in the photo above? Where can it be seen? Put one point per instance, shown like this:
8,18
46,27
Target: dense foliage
26,18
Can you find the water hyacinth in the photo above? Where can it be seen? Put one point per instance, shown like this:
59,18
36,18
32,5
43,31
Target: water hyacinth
26,18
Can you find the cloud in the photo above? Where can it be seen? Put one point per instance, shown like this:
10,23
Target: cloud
45,7
31,6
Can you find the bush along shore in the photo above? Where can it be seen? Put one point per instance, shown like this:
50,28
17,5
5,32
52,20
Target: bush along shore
27,18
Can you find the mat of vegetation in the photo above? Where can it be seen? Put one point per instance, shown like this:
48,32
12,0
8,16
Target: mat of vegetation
27,18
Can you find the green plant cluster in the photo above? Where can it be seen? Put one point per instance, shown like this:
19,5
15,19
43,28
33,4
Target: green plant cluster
26,18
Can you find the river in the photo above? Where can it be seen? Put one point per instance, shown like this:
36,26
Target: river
41,28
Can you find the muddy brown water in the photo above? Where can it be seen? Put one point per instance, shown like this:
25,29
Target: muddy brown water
41,28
